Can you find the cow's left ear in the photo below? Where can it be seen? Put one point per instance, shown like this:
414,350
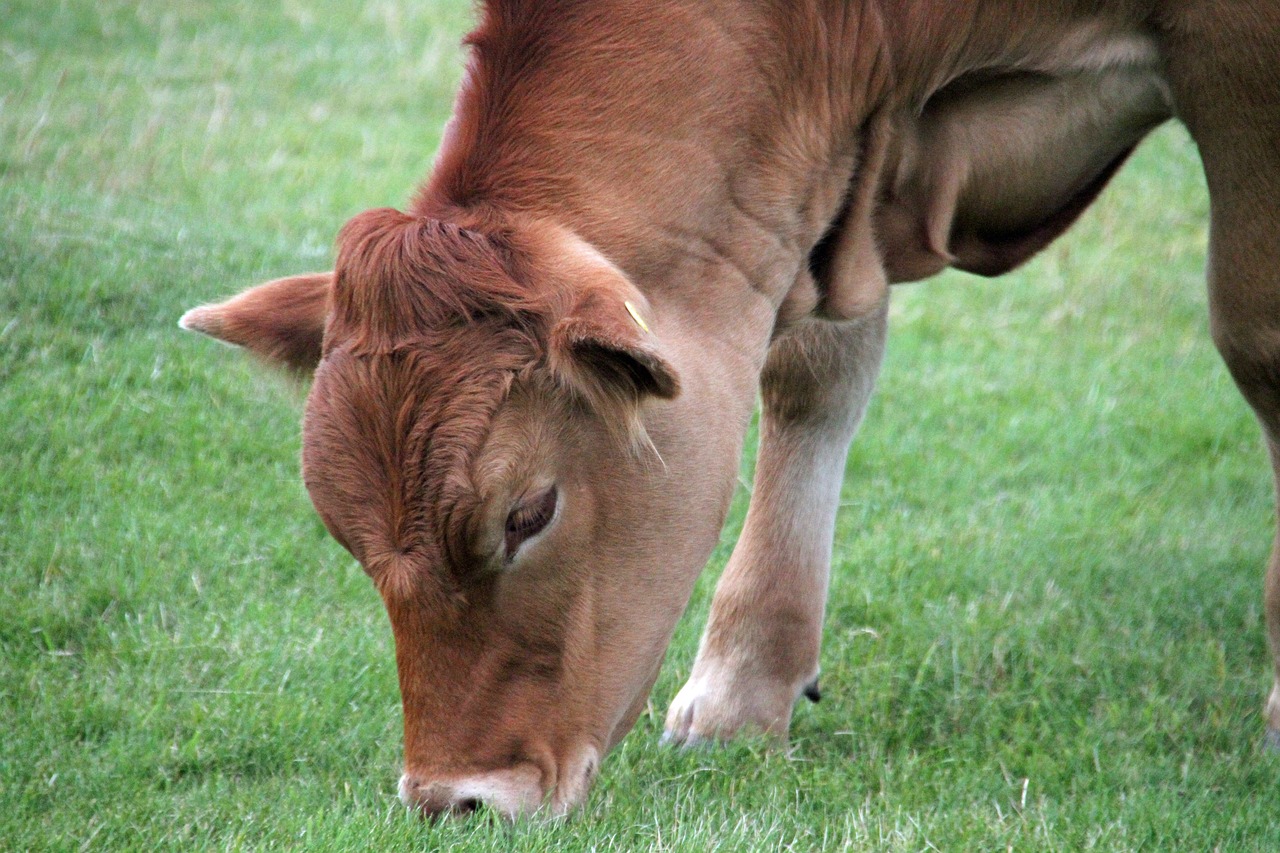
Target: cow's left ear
604,347
282,321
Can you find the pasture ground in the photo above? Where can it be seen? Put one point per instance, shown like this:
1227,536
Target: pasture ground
1045,629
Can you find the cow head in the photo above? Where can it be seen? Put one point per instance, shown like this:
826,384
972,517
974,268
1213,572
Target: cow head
512,441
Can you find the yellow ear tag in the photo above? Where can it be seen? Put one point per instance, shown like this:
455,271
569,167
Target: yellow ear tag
635,315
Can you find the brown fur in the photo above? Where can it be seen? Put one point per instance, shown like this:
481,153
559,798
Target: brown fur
643,211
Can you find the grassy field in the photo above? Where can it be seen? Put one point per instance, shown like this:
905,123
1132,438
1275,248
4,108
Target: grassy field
1045,628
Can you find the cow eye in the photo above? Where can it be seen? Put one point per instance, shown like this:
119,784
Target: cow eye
529,518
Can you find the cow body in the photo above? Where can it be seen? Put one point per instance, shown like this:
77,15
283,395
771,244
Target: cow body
531,389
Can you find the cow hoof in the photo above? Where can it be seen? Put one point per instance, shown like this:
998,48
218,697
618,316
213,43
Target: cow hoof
812,692
707,710
678,730
688,741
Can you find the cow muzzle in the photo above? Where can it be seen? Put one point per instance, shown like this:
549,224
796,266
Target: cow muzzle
511,793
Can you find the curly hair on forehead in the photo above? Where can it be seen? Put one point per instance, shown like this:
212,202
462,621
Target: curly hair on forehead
392,436
406,282
401,278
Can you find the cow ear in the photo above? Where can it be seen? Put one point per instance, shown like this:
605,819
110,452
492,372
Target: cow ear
604,348
282,321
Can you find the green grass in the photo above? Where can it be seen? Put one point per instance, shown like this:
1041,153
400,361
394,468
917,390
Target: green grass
1045,628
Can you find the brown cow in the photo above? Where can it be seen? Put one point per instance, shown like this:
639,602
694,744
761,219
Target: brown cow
531,390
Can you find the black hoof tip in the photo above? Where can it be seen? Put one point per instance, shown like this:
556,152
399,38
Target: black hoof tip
812,691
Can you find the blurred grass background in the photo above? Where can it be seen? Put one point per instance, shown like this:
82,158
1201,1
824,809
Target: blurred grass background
1045,627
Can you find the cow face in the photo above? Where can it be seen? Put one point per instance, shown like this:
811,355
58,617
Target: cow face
497,431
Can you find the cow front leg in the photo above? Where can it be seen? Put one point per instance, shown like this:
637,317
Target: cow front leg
759,652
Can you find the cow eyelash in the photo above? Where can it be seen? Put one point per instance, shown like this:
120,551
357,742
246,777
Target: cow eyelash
529,518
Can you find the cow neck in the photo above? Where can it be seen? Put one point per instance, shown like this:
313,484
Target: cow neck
670,155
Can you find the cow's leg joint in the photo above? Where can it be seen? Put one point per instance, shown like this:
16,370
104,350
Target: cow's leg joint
759,653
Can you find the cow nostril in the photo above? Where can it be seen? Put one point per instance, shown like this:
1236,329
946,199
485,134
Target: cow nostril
465,807
438,811
434,801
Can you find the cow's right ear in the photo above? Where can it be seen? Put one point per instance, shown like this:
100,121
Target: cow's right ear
281,321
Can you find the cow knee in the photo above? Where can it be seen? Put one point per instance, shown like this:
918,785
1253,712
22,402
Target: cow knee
822,372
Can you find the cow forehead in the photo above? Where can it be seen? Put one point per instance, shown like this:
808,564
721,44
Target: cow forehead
390,439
